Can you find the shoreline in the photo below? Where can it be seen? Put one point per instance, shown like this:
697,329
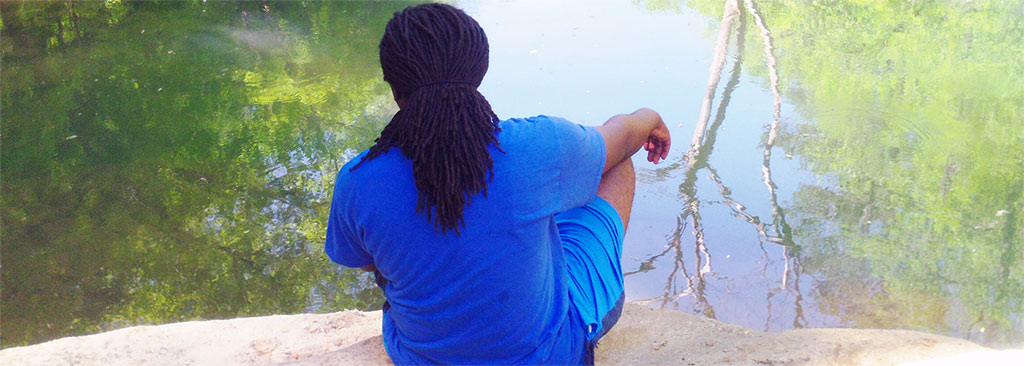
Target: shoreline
644,335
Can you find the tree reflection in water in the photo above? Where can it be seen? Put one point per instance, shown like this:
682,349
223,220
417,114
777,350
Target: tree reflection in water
169,161
906,209
697,158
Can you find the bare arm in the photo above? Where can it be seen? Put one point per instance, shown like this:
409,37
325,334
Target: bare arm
624,134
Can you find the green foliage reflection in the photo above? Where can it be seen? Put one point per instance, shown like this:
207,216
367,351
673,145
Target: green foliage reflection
918,127
171,161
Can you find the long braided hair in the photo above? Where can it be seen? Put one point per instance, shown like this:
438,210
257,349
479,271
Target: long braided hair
435,56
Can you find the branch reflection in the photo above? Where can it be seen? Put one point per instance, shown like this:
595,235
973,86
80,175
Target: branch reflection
697,158
783,233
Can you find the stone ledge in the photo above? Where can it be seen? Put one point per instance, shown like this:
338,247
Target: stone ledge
644,335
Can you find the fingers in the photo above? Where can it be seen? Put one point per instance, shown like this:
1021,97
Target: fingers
658,144
663,140
657,149
653,152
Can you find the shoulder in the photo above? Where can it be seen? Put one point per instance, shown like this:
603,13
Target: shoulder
354,160
345,173
541,128
538,121
357,171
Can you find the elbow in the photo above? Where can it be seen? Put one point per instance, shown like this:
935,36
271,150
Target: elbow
646,114
643,111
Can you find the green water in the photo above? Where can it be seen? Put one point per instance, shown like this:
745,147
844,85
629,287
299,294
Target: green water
174,161
911,114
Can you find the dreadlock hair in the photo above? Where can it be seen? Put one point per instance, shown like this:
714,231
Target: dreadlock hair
435,56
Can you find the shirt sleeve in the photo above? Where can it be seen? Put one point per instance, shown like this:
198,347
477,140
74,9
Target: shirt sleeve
343,244
581,154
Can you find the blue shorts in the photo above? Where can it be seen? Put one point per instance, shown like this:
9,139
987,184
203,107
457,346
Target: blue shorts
592,239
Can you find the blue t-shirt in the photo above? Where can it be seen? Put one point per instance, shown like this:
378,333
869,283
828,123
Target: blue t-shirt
498,292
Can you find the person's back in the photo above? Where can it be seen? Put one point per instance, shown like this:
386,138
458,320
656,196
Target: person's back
499,284
496,242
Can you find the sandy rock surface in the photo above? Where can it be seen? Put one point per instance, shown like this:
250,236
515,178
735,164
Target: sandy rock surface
643,336
647,335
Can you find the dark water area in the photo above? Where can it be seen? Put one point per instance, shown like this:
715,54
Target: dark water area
853,163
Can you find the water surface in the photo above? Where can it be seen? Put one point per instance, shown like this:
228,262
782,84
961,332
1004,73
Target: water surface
859,165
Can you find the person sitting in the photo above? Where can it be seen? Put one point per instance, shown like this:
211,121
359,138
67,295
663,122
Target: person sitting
495,241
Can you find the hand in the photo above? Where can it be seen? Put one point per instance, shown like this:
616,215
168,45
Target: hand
624,134
658,143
